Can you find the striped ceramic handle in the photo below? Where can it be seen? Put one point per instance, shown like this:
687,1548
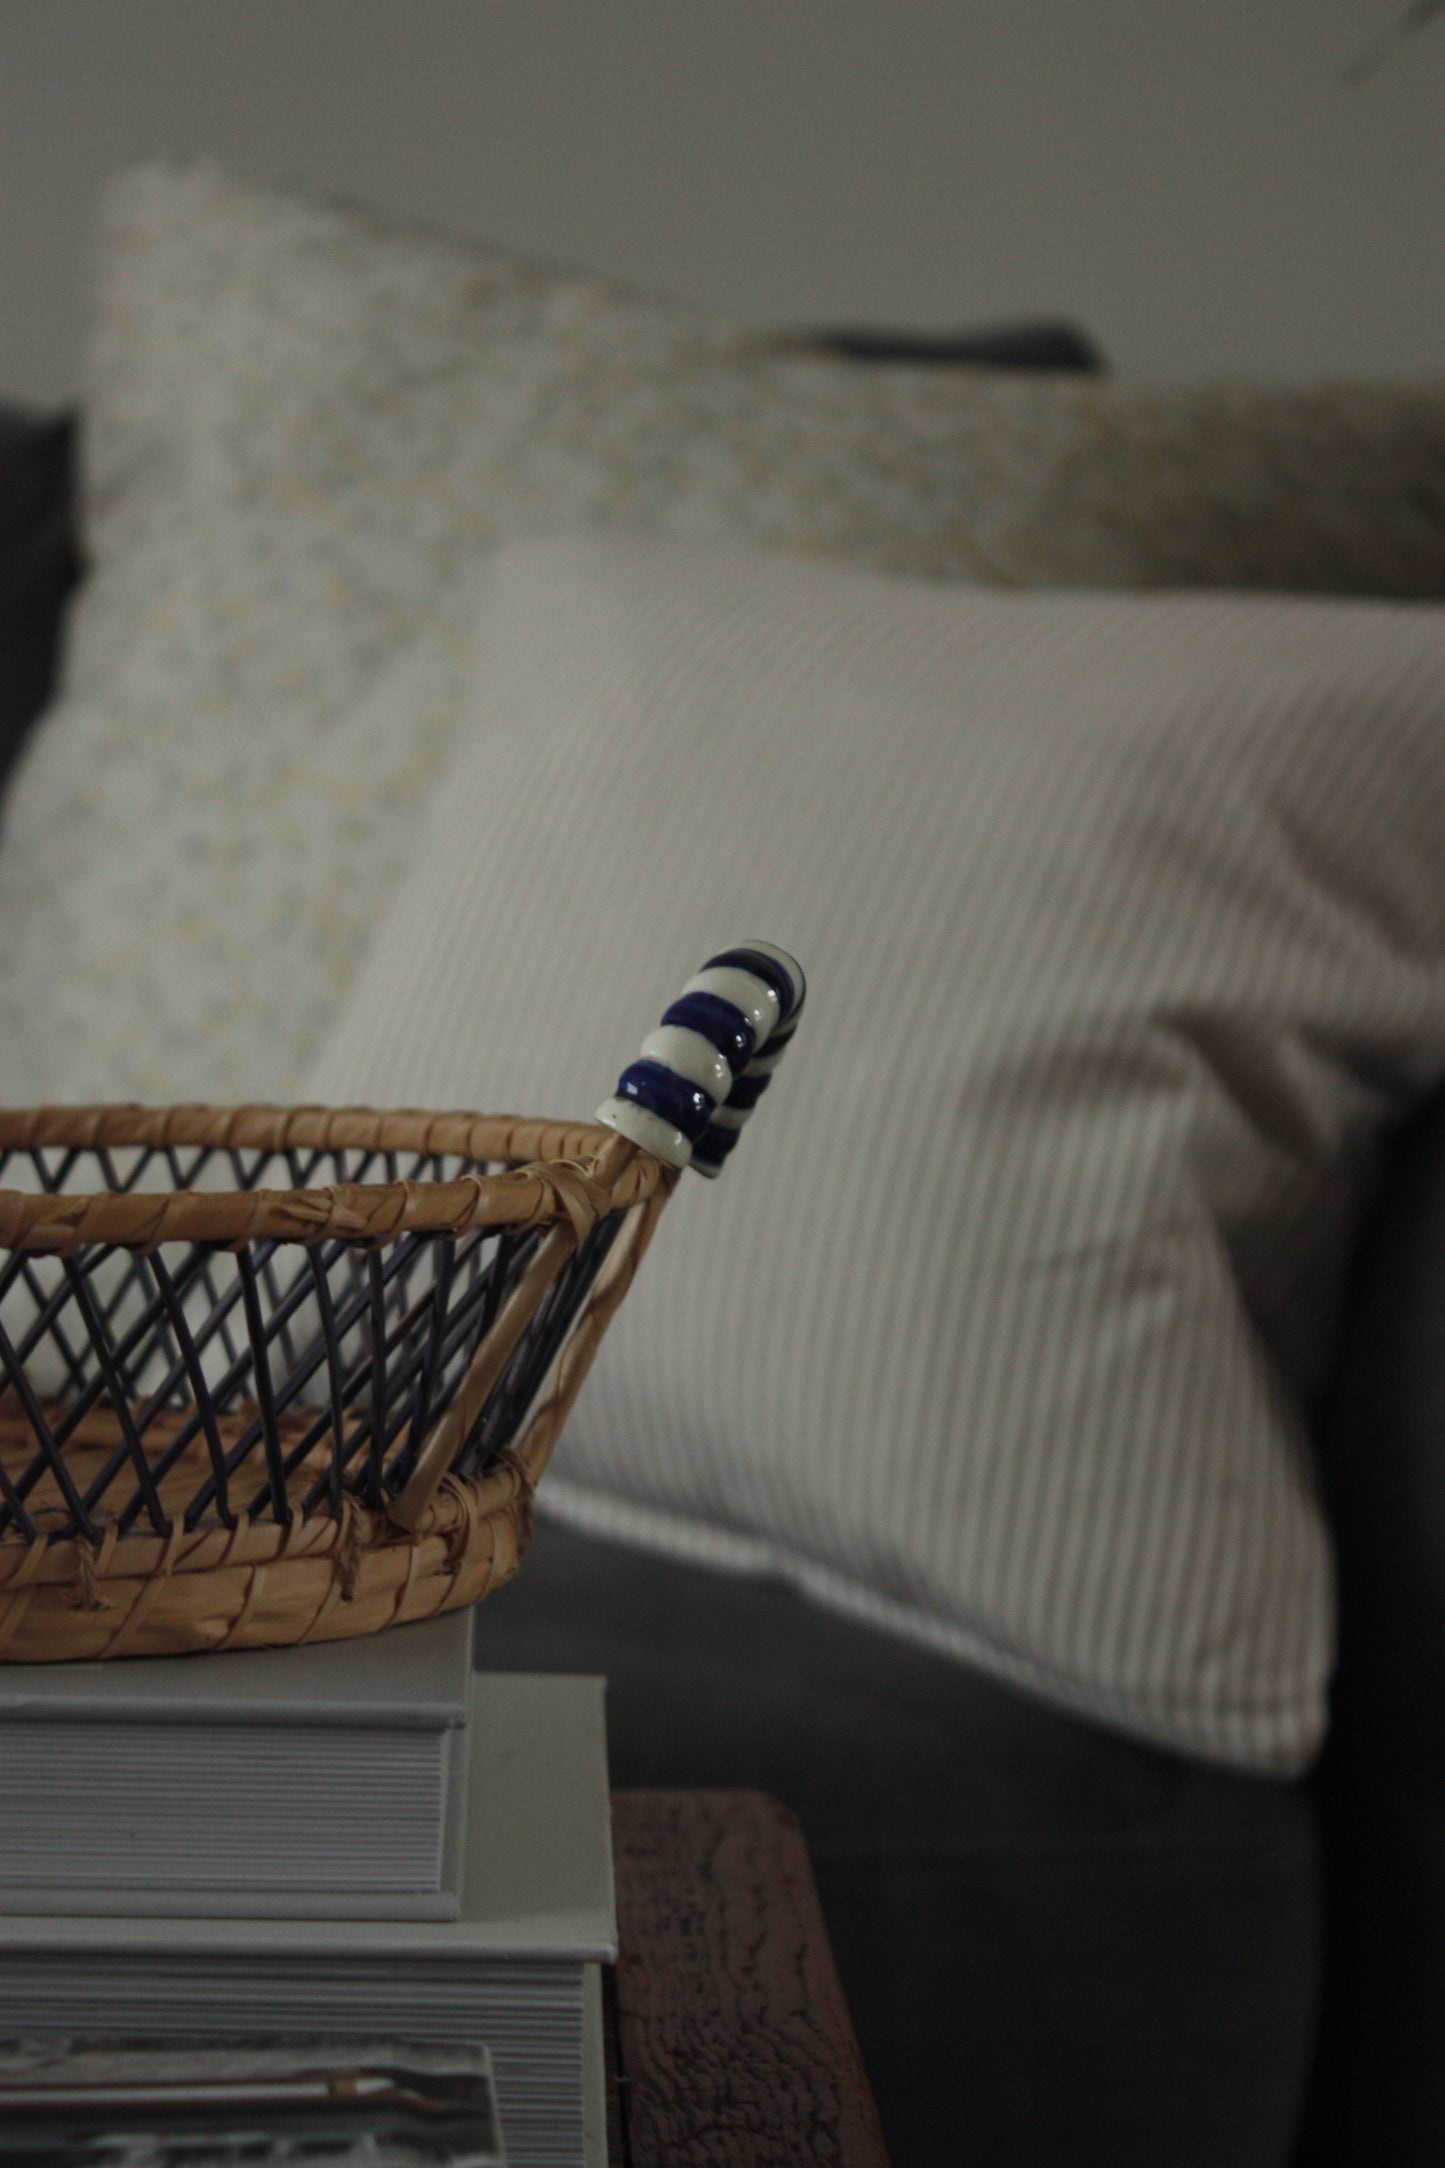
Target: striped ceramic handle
703,1070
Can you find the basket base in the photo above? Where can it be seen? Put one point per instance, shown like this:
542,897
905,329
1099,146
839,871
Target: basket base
258,1585
97,1439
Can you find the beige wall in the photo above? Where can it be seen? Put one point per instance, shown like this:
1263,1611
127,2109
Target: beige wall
1188,178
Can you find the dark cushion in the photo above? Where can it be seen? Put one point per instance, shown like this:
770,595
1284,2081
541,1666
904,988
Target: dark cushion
1047,348
39,565
1058,1946
1380,2092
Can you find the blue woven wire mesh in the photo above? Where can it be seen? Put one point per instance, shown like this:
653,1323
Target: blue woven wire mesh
204,1384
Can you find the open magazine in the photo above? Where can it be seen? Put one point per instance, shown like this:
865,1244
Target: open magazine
347,2104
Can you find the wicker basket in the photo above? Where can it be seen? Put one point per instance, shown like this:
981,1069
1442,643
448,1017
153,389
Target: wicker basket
271,1376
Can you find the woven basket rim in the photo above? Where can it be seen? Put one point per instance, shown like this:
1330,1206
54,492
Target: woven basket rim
549,1176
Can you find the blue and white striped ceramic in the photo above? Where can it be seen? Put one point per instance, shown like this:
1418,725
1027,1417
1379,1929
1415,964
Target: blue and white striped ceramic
701,1073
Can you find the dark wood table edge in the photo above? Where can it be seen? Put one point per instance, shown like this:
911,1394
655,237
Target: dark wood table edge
729,2034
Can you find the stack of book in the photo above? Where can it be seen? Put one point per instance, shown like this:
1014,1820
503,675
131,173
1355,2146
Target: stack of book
353,1841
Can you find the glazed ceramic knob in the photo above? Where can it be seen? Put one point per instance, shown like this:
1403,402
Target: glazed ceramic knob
701,1073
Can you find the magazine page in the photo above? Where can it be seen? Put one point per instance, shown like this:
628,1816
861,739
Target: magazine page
347,2104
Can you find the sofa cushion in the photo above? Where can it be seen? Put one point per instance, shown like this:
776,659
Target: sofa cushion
1124,920
1380,2087
39,565
1072,1934
302,422
1052,348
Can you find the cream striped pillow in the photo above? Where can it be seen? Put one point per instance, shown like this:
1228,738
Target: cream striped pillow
1124,924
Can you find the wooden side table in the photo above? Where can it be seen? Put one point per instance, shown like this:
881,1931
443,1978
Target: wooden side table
729,2041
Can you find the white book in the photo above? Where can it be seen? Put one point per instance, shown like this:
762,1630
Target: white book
263,1781
516,1969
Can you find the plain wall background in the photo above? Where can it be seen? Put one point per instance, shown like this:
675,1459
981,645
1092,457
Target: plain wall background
1191,180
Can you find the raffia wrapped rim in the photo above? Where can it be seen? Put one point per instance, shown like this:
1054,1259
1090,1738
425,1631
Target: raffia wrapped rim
247,1580
552,1175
